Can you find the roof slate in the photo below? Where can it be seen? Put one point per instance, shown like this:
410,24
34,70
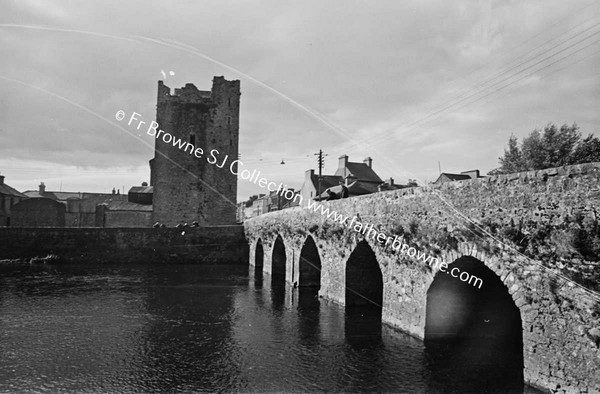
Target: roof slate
9,191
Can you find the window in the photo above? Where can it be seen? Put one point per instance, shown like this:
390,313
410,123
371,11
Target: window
229,102
193,139
228,120
230,142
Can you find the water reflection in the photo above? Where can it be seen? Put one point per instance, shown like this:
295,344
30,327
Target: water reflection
199,328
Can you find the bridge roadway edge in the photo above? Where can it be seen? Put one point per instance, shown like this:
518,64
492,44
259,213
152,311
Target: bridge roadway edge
560,321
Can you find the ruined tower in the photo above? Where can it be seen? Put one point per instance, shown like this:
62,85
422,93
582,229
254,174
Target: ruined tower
189,188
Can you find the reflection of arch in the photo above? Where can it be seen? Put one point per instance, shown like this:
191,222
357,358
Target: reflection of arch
480,328
364,281
259,256
310,264
278,261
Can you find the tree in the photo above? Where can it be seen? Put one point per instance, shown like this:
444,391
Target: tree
513,159
552,147
588,151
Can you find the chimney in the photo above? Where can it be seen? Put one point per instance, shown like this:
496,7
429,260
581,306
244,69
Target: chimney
114,191
309,174
343,161
368,161
1,179
390,181
42,188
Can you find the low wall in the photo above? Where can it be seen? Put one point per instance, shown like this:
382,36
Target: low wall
215,244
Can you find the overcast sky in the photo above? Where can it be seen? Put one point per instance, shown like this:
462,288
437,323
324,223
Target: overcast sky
409,83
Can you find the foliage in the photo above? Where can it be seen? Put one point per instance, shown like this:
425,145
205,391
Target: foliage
552,147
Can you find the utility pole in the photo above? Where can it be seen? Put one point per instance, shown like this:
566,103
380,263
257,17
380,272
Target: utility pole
320,162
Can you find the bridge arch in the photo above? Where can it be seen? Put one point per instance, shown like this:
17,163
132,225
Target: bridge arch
278,261
309,265
479,327
259,257
364,279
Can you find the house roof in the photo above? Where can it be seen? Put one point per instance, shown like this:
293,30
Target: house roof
356,188
454,177
58,196
127,206
326,181
9,191
142,189
362,172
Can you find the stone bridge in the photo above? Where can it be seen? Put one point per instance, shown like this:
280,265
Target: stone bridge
532,237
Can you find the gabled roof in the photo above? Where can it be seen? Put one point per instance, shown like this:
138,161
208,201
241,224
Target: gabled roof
127,206
451,177
58,196
455,177
142,189
326,181
360,171
9,191
356,188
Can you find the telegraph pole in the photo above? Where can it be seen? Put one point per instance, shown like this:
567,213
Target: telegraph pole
320,162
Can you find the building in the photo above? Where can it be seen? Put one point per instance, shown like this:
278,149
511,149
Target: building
79,208
141,194
39,212
447,177
359,178
186,187
8,198
123,214
263,203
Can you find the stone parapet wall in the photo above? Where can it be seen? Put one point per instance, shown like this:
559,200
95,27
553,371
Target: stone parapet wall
217,244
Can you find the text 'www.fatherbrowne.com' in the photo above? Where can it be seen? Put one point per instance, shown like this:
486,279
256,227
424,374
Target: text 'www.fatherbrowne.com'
397,243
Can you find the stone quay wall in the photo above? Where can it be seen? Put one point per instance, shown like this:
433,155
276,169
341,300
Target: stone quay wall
215,244
524,227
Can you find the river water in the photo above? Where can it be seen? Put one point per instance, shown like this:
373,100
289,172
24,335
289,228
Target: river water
199,328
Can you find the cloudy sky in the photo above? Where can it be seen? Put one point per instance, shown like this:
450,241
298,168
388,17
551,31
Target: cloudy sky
409,83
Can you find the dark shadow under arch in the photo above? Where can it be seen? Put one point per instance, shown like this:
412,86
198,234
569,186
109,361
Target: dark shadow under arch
364,298
278,262
479,328
310,265
364,281
259,256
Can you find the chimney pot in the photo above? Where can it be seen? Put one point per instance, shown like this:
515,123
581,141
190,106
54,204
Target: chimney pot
42,188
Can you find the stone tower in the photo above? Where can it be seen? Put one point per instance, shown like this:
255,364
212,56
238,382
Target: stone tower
188,188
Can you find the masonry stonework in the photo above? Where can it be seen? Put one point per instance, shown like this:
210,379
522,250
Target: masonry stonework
194,189
521,223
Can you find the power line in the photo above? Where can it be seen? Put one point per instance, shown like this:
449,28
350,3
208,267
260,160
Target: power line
432,115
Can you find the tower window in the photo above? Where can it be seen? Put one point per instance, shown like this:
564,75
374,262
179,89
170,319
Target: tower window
193,139
229,102
230,142
228,120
